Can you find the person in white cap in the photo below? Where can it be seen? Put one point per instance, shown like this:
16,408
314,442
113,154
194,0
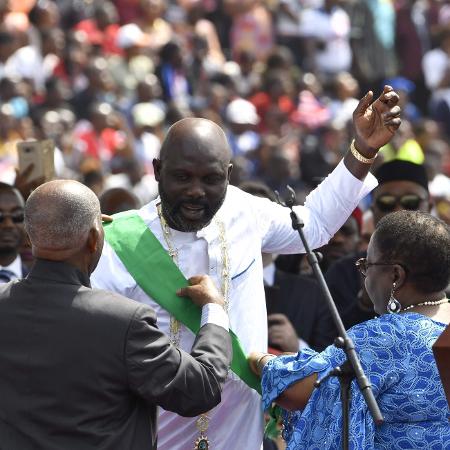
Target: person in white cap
148,119
242,117
135,65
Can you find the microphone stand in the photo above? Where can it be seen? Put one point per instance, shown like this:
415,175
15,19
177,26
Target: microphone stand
351,368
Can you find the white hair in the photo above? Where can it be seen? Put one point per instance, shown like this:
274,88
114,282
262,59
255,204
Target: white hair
60,213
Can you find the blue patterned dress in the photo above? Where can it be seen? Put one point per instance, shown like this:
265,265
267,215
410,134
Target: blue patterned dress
395,352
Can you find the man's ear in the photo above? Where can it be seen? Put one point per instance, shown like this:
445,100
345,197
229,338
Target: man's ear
157,168
230,169
93,240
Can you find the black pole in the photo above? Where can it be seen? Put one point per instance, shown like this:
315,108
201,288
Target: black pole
351,368
345,400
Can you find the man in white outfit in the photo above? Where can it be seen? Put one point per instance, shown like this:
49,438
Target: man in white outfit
211,228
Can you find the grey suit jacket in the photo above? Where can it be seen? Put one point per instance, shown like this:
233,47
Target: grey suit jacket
84,369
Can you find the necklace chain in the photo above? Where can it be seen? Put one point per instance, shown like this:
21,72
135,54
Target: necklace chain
202,422
225,261
427,303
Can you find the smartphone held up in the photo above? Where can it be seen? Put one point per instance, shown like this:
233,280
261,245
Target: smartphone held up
36,160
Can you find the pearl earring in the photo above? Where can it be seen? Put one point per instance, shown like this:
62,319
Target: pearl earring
393,306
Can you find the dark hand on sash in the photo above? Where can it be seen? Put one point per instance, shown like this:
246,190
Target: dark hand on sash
201,290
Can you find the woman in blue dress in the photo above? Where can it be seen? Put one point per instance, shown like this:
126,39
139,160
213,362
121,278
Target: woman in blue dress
406,273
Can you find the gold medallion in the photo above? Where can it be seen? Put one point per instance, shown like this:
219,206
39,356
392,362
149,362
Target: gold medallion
202,443
202,424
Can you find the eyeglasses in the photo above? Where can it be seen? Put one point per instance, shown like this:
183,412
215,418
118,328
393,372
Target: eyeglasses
16,217
363,265
388,202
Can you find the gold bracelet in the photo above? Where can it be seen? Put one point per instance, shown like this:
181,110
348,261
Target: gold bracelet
360,157
258,364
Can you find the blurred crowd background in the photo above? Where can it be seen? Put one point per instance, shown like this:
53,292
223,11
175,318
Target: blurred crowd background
105,79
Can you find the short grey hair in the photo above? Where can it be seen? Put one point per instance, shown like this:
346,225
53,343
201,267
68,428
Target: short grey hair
60,213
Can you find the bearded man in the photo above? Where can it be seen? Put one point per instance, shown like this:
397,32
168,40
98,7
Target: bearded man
208,227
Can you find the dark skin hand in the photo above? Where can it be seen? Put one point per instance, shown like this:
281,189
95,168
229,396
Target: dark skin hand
201,290
282,334
375,123
24,184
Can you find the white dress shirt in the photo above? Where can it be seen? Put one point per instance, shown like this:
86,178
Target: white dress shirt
15,267
435,64
333,28
252,225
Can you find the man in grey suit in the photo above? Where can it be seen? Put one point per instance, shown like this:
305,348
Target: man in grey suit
85,369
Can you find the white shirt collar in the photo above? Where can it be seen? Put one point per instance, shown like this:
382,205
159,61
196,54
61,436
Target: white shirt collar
15,267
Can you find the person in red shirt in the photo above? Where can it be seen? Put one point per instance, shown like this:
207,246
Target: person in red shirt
102,28
104,137
274,93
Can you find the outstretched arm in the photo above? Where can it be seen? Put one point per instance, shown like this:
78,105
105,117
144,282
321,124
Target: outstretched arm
188,384
375,123
295,396
329,205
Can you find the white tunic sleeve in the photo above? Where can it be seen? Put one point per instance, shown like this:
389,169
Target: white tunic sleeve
326,209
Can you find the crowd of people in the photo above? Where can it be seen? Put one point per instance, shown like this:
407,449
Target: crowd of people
106,79
177,111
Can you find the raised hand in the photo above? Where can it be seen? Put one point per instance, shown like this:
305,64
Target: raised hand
375,122
201,290
24,184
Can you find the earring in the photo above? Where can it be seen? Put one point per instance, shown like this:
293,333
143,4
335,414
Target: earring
393,306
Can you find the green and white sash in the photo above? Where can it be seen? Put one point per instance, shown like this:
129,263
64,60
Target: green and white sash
159,277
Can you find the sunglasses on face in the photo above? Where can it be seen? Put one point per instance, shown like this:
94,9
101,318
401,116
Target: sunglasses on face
388,203
16,217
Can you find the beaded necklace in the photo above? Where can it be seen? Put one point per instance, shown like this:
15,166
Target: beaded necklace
427,303
202,423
